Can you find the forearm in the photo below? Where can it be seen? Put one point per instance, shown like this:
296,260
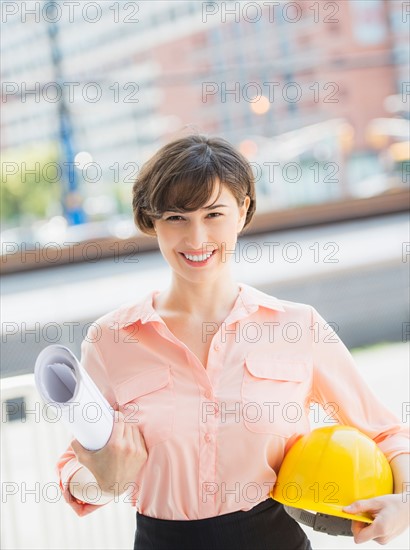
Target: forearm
400,466
82,483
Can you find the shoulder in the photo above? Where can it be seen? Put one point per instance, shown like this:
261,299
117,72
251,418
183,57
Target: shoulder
125,314
297,307
252,295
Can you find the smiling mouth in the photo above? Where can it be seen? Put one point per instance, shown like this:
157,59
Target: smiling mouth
197,259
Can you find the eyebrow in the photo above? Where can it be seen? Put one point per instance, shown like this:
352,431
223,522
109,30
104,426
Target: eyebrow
212,207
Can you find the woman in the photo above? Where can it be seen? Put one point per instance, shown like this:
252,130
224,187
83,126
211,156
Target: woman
202,374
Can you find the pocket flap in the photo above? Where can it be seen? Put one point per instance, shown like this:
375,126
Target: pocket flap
146,382
290,370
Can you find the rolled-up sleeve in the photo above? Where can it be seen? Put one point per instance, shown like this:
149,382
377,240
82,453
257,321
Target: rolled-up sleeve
67,465
341,389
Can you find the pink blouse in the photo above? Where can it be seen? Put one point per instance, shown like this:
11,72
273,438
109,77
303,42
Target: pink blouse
216,436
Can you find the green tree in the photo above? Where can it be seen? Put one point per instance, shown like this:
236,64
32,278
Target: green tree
30,185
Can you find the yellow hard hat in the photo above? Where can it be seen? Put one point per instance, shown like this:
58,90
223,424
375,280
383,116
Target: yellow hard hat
329,468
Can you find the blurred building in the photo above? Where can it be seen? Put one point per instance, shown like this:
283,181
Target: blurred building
134,74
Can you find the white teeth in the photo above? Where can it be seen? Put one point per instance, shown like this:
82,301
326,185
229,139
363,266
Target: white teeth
198,258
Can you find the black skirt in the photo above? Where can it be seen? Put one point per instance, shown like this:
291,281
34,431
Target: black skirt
267,526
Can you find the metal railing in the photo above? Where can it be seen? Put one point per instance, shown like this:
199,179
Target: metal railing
34,513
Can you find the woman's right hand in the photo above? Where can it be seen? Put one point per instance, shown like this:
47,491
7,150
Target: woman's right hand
115,466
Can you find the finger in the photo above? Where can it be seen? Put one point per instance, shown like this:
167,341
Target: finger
370,506
365,535
135,439
369,532
357,526
131,434
382,540
81,453
77,448
357,529
118,427
139,440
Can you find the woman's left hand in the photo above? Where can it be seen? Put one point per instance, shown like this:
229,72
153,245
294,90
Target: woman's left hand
391,517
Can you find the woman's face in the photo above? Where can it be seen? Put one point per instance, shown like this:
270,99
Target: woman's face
198,245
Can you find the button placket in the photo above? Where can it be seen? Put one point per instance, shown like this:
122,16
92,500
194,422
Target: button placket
214,359
209,427
207,463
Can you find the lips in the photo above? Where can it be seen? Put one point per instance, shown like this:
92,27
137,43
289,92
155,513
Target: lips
198,253
195,262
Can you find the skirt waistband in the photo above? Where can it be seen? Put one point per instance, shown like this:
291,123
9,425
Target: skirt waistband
266,526
220,520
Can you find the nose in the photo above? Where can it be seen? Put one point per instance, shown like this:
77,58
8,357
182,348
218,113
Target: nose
196,236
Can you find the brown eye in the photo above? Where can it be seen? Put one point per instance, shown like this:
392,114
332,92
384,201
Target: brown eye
174,218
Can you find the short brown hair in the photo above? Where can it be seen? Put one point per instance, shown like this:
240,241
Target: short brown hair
182,174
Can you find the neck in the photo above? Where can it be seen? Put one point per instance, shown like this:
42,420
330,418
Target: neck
213,300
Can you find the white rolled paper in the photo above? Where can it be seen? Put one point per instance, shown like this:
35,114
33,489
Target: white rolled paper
62,381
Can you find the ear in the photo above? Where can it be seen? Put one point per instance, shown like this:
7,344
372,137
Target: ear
242,213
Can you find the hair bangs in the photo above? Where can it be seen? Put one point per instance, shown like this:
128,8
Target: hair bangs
188,191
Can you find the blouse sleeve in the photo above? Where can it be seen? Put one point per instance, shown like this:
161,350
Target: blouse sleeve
67,465
338,384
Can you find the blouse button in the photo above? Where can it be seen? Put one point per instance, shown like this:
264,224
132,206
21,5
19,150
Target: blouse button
208,437
208,394
216,347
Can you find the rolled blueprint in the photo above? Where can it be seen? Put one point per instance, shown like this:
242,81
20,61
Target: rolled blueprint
62,381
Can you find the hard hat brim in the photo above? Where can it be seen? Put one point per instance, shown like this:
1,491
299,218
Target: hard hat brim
331,510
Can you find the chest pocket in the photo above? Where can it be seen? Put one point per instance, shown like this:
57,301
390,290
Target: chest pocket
273,395
148,400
